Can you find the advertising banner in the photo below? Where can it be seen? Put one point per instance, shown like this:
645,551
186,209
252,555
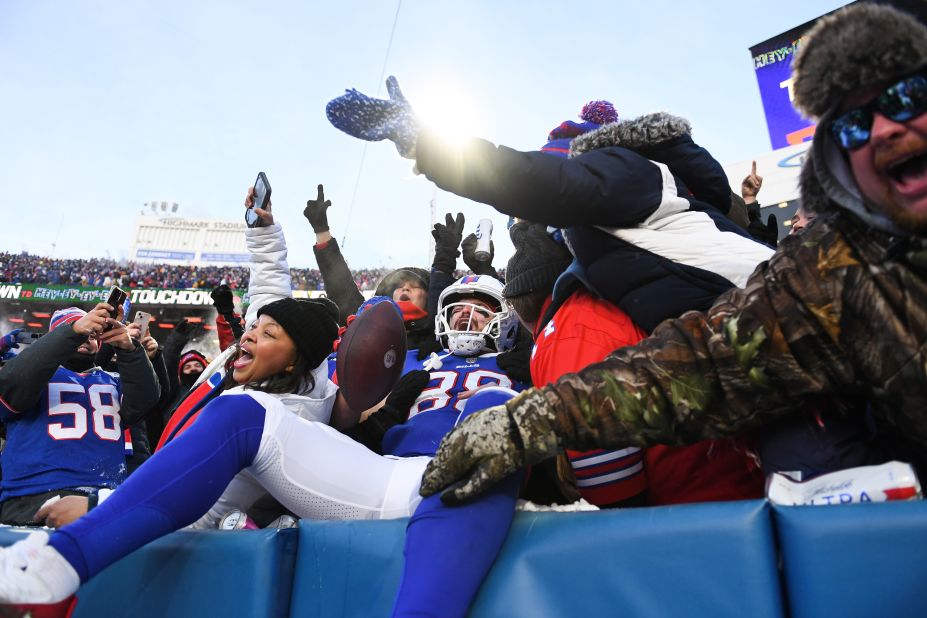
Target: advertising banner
772,61
36,292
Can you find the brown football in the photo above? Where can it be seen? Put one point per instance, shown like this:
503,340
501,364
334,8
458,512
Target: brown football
371,355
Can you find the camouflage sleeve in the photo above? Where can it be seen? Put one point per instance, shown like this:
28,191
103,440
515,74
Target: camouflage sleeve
753,356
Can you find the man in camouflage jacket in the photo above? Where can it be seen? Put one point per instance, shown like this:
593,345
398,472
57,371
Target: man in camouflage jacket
840,309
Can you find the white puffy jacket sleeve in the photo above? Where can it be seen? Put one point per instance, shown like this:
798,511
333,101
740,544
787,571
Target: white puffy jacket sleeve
270,273
269,281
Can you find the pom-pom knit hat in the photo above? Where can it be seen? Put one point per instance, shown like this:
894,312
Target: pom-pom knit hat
594,114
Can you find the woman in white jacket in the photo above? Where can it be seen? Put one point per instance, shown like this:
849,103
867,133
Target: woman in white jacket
262,429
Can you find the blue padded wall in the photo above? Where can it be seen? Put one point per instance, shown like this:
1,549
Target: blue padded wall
197,574
706,559
855,559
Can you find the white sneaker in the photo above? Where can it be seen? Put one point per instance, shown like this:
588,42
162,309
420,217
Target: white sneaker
32,571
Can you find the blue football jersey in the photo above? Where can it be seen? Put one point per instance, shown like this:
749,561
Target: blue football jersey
437,409
72,438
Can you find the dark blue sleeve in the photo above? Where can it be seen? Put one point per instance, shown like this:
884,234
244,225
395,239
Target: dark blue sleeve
611,186
697,169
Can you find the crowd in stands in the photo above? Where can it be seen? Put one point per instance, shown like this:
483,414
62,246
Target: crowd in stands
653,343
99,272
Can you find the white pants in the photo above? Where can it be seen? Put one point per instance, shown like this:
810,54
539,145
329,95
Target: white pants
318,473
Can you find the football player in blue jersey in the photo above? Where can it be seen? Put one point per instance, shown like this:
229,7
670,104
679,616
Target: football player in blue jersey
65,418
474,323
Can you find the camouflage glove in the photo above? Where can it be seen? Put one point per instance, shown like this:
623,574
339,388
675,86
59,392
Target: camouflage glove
489,446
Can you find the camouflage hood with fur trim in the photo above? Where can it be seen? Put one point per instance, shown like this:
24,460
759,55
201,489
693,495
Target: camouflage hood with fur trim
854,48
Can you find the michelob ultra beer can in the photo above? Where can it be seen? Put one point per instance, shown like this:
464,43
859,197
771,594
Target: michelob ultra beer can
889,481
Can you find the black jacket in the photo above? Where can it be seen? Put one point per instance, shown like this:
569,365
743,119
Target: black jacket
643,238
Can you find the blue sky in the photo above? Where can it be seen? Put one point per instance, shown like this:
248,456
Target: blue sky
108,105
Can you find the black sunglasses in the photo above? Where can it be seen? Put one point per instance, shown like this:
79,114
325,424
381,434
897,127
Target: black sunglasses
900,102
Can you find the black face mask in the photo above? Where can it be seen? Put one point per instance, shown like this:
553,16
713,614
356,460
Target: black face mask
79,363
187,379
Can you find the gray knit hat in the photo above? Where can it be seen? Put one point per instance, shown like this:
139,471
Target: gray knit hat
537,262
856,47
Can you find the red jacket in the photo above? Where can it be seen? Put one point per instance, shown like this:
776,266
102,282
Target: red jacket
584,330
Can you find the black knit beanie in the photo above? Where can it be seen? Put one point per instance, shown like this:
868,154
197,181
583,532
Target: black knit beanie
309,323
537,262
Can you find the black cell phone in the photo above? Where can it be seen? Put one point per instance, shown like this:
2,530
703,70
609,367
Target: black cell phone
116,297
261,200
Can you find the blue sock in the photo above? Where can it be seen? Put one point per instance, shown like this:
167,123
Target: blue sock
173,489
450,549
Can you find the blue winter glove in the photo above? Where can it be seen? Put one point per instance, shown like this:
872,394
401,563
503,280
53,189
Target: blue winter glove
373,120
8,341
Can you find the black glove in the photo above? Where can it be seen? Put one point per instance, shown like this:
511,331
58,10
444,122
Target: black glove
185,328
316,212
478,267
516,363
769,233
393,412
222,299
447,239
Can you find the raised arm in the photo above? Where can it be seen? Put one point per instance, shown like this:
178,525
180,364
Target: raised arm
339,283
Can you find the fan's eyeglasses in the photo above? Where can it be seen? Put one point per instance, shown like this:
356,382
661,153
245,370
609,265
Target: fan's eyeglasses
900,102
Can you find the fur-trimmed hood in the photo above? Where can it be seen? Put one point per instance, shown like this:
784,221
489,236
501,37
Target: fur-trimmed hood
647,130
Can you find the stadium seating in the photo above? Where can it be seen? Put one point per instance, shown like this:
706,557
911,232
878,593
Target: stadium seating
715,559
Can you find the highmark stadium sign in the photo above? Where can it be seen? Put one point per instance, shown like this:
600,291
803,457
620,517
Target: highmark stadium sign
36,292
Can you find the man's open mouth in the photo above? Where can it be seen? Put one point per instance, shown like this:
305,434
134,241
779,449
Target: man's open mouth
910,172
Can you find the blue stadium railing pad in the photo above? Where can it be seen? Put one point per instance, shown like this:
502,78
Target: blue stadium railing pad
694,560
194,574
855,559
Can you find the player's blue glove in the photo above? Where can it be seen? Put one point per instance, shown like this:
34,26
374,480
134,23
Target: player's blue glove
8,341
373,120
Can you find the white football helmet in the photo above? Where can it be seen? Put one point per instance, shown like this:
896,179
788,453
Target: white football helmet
500,325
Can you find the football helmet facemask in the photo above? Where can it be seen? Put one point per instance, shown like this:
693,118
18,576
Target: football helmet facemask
500,324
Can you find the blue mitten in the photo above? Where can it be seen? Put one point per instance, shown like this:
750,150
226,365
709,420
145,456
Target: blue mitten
373,120
8,341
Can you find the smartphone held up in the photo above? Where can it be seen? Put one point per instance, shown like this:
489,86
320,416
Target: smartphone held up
261,200
143,320
117,298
